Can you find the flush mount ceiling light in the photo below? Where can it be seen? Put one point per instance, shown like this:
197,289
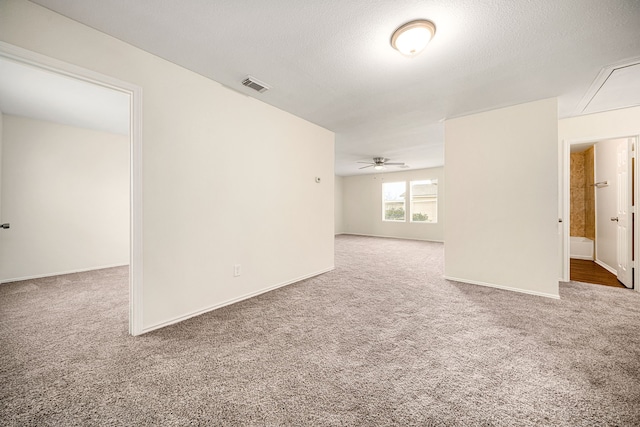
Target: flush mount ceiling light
411,38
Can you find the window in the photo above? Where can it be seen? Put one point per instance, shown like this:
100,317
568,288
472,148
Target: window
393,197
423,201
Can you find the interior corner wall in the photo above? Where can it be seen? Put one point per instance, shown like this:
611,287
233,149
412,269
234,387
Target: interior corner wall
338,203
65,191
209,202
501,208
363,206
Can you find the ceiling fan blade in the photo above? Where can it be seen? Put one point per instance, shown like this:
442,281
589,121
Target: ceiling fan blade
367,163
364,167
394,164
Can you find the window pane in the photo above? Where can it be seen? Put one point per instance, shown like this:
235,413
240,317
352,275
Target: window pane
424,201
393,201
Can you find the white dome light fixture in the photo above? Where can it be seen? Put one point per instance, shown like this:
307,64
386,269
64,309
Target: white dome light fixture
411,38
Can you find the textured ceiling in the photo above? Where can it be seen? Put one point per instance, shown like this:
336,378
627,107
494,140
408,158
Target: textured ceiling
330,62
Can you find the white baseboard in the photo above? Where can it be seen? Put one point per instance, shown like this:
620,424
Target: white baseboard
391,237
606,267
506,288
588,258
231,301
60,273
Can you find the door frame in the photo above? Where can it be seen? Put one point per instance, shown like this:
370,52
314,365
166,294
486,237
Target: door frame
134,92
565,197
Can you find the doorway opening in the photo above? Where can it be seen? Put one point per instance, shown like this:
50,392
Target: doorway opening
600,237
75,77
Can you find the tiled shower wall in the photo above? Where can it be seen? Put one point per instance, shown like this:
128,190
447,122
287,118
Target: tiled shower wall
590,194
582,206
577,207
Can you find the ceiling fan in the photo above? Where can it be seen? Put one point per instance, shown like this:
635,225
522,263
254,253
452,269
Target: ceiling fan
379,163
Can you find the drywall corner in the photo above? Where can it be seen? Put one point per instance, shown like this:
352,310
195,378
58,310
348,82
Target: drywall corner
338,205
502,200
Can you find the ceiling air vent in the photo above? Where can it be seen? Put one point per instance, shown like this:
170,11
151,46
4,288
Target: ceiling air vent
255,84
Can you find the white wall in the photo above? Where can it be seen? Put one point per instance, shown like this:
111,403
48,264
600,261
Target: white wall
65,191
338,202
606,165
601,126
501,205
204,174
1,127
362,206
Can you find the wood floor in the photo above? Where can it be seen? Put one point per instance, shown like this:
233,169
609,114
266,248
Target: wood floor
590,272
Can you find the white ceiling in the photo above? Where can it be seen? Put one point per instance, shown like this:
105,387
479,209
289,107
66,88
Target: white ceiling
40,94
330,61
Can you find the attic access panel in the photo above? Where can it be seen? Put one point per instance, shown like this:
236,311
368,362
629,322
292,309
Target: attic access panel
620,89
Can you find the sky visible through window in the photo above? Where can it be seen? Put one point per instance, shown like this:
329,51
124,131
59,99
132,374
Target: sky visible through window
394,191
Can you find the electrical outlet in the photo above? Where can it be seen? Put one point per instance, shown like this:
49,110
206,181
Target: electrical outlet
237,270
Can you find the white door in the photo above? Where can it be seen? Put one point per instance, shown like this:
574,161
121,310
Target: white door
624,214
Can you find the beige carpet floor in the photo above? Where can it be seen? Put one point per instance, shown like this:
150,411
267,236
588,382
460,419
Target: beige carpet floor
383,340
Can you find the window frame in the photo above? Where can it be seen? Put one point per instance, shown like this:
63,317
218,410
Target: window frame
411,201
385,202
